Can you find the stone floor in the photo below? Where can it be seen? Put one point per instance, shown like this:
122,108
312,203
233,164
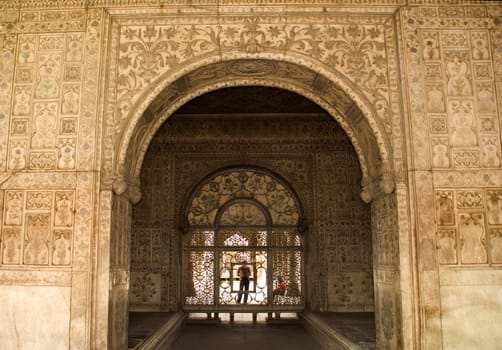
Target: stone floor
243,335
143,324
359,327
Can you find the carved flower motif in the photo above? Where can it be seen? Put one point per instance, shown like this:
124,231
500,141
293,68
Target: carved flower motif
143,288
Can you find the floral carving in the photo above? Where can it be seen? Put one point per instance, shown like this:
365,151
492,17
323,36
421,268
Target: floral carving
143,287
241,183
343,288
469,199
147,52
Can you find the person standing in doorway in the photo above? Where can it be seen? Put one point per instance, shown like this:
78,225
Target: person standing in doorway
244,272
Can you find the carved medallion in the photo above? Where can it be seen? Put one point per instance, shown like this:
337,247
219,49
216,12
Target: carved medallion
252,67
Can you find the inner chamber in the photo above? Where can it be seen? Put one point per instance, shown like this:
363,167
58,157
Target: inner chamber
200,217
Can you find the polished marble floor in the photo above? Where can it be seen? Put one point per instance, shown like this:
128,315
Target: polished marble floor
242,334
245,337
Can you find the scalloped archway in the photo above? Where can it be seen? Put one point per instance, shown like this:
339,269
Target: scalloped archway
345,104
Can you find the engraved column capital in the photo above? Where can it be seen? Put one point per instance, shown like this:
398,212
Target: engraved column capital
387,181
367,190
122,187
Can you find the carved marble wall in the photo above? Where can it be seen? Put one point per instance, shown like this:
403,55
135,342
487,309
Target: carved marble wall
415,84
311,152
452,58
49,66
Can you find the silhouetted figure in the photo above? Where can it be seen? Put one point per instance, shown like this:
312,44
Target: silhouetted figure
244,272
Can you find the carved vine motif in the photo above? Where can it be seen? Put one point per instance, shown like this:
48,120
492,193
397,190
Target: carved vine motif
147,52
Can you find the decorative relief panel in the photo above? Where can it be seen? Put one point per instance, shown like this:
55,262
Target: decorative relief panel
145,288
88,108
472,238
83,219
44,109
148,48
49,20
468,226
36,244
496,245
462,59
37,228
497,44
7,57
14,203
39,200
447,245
146,250
11,246
386,223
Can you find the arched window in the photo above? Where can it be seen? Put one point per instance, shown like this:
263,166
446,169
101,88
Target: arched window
236,217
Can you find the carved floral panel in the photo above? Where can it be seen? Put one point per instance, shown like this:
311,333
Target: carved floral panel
468,225
46,96
458,80
37,228
356,51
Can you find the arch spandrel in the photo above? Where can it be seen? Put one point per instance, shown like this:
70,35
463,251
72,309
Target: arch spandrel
349,51
353,47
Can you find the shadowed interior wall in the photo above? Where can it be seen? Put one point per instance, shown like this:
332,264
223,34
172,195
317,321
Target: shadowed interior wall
309,150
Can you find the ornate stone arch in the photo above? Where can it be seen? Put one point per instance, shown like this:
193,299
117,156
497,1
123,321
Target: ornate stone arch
329,89
199,55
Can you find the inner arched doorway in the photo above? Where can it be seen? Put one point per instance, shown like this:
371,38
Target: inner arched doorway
243,221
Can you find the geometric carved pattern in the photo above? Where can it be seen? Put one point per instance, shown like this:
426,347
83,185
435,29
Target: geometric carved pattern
43,61
459,64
